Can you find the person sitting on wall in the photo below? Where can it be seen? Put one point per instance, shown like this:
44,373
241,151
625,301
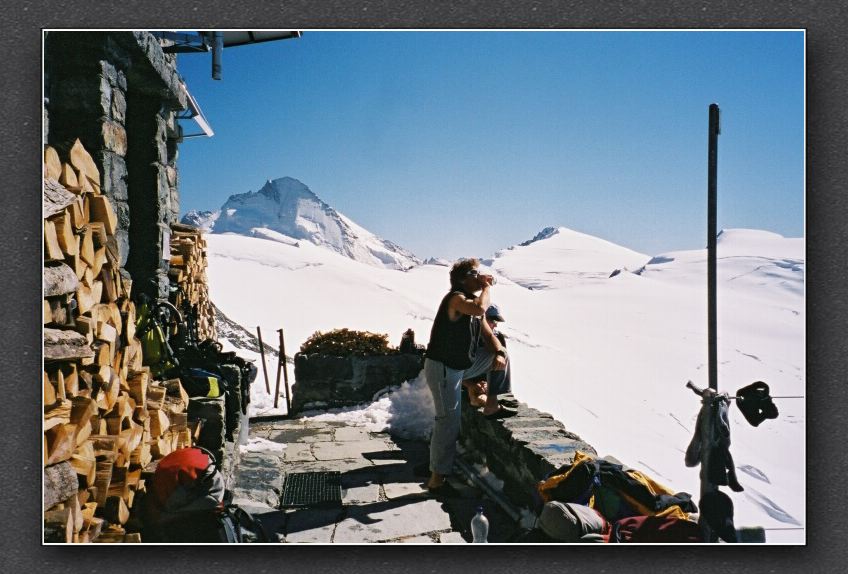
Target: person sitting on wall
490,375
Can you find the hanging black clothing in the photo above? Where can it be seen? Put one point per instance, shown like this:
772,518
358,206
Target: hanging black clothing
712,441
755,403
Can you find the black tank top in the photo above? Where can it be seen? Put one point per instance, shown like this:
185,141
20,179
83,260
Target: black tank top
454,343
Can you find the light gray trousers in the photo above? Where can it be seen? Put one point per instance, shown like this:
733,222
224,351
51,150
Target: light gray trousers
499,382
445,385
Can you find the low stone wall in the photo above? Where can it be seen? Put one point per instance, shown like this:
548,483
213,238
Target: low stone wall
323,381
520,450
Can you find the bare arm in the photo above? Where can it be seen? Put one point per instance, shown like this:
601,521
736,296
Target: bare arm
476,307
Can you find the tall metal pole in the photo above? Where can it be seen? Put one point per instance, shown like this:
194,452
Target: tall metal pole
712,202
217,53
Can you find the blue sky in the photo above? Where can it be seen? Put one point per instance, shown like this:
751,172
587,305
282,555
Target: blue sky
458,144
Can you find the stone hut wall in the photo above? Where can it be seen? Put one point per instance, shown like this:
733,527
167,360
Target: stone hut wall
118,92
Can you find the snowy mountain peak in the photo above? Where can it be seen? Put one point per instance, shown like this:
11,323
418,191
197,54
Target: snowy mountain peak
568,257
205,220
285,209
544,234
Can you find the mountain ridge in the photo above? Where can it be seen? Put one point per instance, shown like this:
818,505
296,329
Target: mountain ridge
288,207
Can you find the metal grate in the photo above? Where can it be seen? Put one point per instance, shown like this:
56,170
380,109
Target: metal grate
312,489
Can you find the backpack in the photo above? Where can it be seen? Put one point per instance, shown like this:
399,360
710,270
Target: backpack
188,503
659,529
201,383
236,525
187,479
156,350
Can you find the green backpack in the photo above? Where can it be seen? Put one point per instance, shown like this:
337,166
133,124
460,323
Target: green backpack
156,351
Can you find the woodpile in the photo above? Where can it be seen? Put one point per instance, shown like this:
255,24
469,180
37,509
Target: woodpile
188,273
105,418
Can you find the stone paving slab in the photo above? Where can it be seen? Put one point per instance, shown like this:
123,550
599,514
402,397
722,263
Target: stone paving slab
351,434
417,540
298,452
452,538
312,525
344,465
391,520
383,499
360,487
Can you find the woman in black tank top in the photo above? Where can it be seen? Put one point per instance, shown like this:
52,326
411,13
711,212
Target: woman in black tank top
451,349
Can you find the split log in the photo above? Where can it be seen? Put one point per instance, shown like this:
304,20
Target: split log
138,388
60,483
65,234
60,314
79,217
115,510
83,161
76,263
93,528
110,285
155,397
52,249
49,392
101,210
102,480
59,526
105,332
61,442
55,198
52,163
99,261
87,246
85,327
65,345
71,381
68,178
98,233
82,410
85,464
59,279
159,422
107,313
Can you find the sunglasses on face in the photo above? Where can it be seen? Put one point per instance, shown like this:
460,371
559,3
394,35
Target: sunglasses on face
473,273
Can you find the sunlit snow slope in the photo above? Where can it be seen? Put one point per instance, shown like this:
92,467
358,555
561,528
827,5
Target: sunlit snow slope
607,356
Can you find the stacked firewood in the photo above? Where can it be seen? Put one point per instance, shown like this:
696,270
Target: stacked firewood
188,273
105,419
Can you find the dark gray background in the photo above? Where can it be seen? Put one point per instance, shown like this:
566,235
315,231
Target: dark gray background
20,358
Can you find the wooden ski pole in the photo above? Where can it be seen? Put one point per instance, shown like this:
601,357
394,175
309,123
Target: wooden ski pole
285,370
264,367
281,359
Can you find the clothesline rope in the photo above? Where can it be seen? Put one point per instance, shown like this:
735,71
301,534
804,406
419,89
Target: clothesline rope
786,397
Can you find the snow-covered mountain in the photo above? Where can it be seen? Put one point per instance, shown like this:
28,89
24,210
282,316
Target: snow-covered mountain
608,356
286,210
559,257
205,220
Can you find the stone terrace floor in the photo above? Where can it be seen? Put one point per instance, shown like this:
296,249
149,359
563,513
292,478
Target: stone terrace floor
383,498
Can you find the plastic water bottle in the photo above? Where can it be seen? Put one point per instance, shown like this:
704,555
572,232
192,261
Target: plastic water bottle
244,428
480,527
